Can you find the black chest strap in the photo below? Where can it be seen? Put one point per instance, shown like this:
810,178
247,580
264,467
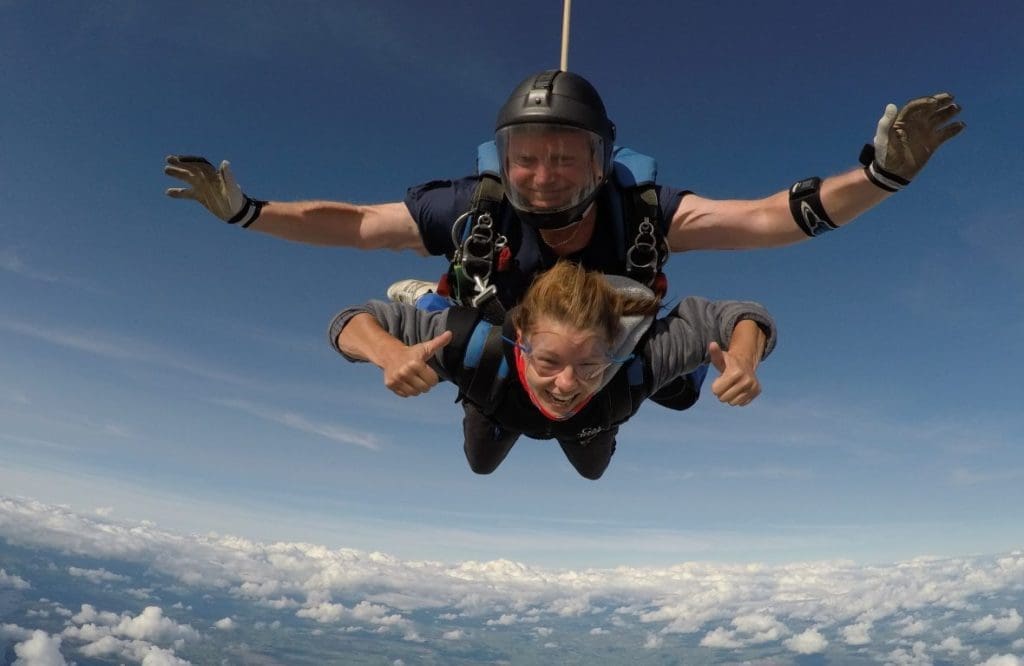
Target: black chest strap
476,358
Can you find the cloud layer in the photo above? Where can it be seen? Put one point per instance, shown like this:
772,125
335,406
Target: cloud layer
908,612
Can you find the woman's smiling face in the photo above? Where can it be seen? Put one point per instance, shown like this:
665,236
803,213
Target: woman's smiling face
564,364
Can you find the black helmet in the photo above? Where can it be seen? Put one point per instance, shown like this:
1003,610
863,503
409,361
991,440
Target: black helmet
556,101
558,97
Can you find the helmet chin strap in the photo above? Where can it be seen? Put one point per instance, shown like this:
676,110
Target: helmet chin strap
575,226
562,219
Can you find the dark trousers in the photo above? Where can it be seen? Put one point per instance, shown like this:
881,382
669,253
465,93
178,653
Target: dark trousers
487,444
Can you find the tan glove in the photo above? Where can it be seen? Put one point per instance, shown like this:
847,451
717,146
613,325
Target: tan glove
905,139
216,189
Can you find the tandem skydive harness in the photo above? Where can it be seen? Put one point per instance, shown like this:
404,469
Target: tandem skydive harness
480,251
641,220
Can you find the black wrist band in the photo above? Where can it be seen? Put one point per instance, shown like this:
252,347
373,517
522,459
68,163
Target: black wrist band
808,212
249,212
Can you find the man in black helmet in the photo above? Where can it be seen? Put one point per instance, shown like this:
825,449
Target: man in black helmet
561,189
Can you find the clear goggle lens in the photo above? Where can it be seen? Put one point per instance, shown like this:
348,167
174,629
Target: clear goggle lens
547,363
549,168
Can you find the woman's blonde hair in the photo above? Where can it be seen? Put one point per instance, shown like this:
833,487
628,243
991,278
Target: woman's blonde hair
583,299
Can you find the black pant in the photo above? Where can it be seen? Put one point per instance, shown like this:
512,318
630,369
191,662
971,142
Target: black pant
487,444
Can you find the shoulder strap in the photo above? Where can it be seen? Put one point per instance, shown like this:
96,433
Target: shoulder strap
487,159
477,355
625,392
477,244
646,248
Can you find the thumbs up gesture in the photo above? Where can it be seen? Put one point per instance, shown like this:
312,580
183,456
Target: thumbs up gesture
737,384
406,372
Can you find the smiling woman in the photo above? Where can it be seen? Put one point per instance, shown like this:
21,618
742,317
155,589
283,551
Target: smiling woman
572,362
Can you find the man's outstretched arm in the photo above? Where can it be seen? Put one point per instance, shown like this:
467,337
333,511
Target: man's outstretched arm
406,372
904,141
366,227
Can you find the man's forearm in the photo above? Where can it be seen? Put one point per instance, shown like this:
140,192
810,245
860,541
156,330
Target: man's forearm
709,224
365,339
849,194
336,223
748,341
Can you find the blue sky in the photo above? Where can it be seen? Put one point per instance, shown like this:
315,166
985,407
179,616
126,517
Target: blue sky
175,369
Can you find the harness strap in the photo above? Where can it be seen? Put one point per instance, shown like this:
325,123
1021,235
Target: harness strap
477,251
648,251
484,384
477,354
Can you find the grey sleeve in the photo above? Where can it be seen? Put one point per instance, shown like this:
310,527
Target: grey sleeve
678,342
404,322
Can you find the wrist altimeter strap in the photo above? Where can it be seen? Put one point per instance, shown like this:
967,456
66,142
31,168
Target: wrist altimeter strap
249,212
886,180
808,212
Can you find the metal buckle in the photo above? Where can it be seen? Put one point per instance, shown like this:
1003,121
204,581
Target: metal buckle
644,242
484,291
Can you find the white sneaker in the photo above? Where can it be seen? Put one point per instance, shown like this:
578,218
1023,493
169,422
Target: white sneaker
409,291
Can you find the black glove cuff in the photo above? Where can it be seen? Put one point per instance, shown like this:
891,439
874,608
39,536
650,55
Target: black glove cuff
886,180
249,212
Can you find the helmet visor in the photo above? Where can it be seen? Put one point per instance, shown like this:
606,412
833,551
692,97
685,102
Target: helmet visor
549,168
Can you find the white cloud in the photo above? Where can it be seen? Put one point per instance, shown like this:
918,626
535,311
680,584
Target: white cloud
809,642
757,624
914,627
40,649
327,612
653,642
857,634
324,612
225,624
102,647
598,631
97,575
10,580
331,431
571,606
14,632
149,625
10,261
454,635
135,650
917,656
88,614
60,610
504,620
1003,660
1003,625
342,586
952,645
119,348
754,629
721,638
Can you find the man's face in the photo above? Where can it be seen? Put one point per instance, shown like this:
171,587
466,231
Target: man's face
551,170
